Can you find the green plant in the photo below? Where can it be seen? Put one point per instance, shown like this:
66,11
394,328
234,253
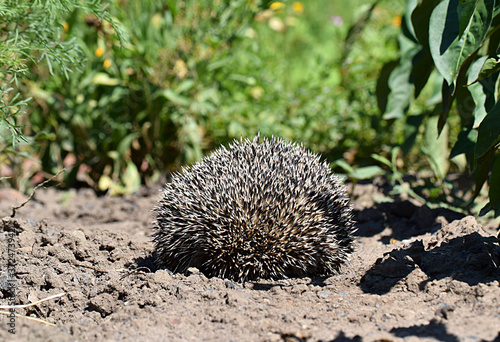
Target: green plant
449,53
197,74
140,109
32,32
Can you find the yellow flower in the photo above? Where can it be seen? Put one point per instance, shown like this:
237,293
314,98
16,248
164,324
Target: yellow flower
107,63
396,21
256,92
180,69
65,26
298,7
99,52
156,20
277,6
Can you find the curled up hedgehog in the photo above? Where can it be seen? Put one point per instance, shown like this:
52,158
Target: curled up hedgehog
260,209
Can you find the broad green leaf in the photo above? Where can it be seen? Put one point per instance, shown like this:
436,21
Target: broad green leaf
382,160
466,141
406,24
448,45
436,147
488,131
400,81
465,105
447,100
494,37
185,86
131,178
477,91
221,63
367,172
344,165
420,18
421,70
465,10
490,67
175,98
383,91
494,192
401,87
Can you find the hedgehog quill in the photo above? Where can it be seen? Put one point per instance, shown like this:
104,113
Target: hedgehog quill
259,209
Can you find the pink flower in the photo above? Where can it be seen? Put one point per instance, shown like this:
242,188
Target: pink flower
336,20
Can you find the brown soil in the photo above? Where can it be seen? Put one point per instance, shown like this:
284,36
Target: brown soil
417,274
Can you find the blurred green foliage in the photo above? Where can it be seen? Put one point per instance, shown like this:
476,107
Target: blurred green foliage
31,33
449,62
195,74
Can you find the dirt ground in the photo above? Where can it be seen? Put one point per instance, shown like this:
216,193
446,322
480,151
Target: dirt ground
417,275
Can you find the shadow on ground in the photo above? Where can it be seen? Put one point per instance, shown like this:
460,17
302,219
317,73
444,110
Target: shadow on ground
456,251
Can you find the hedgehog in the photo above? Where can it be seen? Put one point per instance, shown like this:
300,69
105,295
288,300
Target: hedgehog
256,210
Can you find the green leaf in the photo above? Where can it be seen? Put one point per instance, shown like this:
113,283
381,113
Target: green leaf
401,87
175,98
477,91
131,178
490,67
344,165
465,105
421,70
185,86
367,172
447,100
448,45
436,147
488,131
382,160
124,145
420,18
494,191
221,63
466,141
465,10
383,91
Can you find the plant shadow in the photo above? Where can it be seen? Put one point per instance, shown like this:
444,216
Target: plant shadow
465,258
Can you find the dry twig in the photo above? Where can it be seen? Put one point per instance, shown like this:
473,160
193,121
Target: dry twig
32,304
33,193
27,317
28,305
